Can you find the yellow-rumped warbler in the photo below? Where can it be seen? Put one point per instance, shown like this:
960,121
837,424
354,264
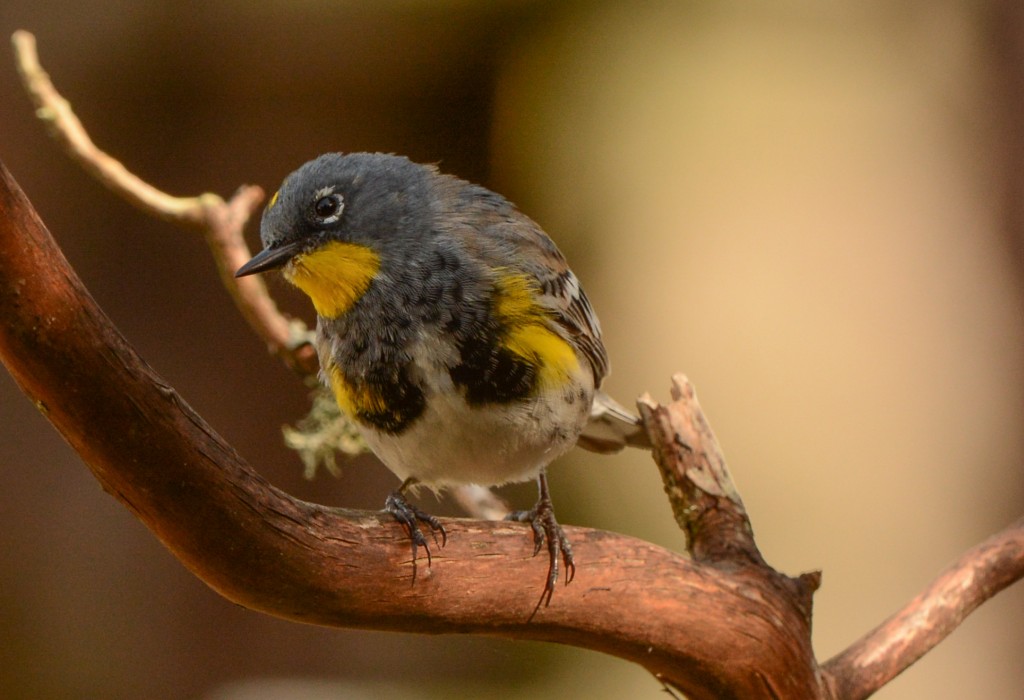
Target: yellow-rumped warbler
450,329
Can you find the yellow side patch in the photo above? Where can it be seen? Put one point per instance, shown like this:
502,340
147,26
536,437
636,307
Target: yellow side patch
351,401
334,276
529,334
273,200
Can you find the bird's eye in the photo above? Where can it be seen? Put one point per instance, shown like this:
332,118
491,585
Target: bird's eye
327,208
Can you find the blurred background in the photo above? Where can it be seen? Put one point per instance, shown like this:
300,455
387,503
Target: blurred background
812,209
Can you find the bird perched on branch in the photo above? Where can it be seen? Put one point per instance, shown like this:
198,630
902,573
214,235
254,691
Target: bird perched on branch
450,330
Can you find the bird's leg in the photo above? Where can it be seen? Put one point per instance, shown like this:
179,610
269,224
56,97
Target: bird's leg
410,517
546,528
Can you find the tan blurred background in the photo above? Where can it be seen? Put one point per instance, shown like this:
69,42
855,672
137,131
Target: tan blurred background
813,209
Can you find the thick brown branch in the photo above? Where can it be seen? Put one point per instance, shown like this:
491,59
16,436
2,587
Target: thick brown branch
711,632
893,646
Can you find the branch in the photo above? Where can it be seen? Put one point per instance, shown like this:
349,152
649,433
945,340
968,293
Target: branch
221,222
889,649
267,551
704,500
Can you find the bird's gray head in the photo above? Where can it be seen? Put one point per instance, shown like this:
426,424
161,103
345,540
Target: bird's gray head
365,199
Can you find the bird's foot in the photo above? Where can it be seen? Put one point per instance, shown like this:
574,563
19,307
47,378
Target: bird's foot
410,517
546,529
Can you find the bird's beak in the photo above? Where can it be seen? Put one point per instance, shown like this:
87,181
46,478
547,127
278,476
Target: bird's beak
269,259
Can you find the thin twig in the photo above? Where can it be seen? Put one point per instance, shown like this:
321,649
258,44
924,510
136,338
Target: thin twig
481,502
889,649
221,223
56,111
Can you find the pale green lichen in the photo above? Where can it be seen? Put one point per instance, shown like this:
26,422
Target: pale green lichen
322,434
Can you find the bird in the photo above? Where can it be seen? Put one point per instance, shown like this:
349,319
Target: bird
450,330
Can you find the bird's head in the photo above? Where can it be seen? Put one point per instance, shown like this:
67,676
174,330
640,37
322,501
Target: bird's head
336,219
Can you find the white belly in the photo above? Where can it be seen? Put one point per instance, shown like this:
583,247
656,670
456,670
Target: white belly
453,444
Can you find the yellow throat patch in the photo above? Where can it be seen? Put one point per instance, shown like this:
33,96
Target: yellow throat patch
529,334
334,276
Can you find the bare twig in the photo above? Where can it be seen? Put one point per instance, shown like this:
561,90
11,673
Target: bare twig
889,649
704,500
221,223
68,130
481,502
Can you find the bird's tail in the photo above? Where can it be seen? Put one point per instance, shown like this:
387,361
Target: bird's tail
612,427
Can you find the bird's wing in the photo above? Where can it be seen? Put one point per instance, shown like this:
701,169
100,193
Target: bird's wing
559,290
503,237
